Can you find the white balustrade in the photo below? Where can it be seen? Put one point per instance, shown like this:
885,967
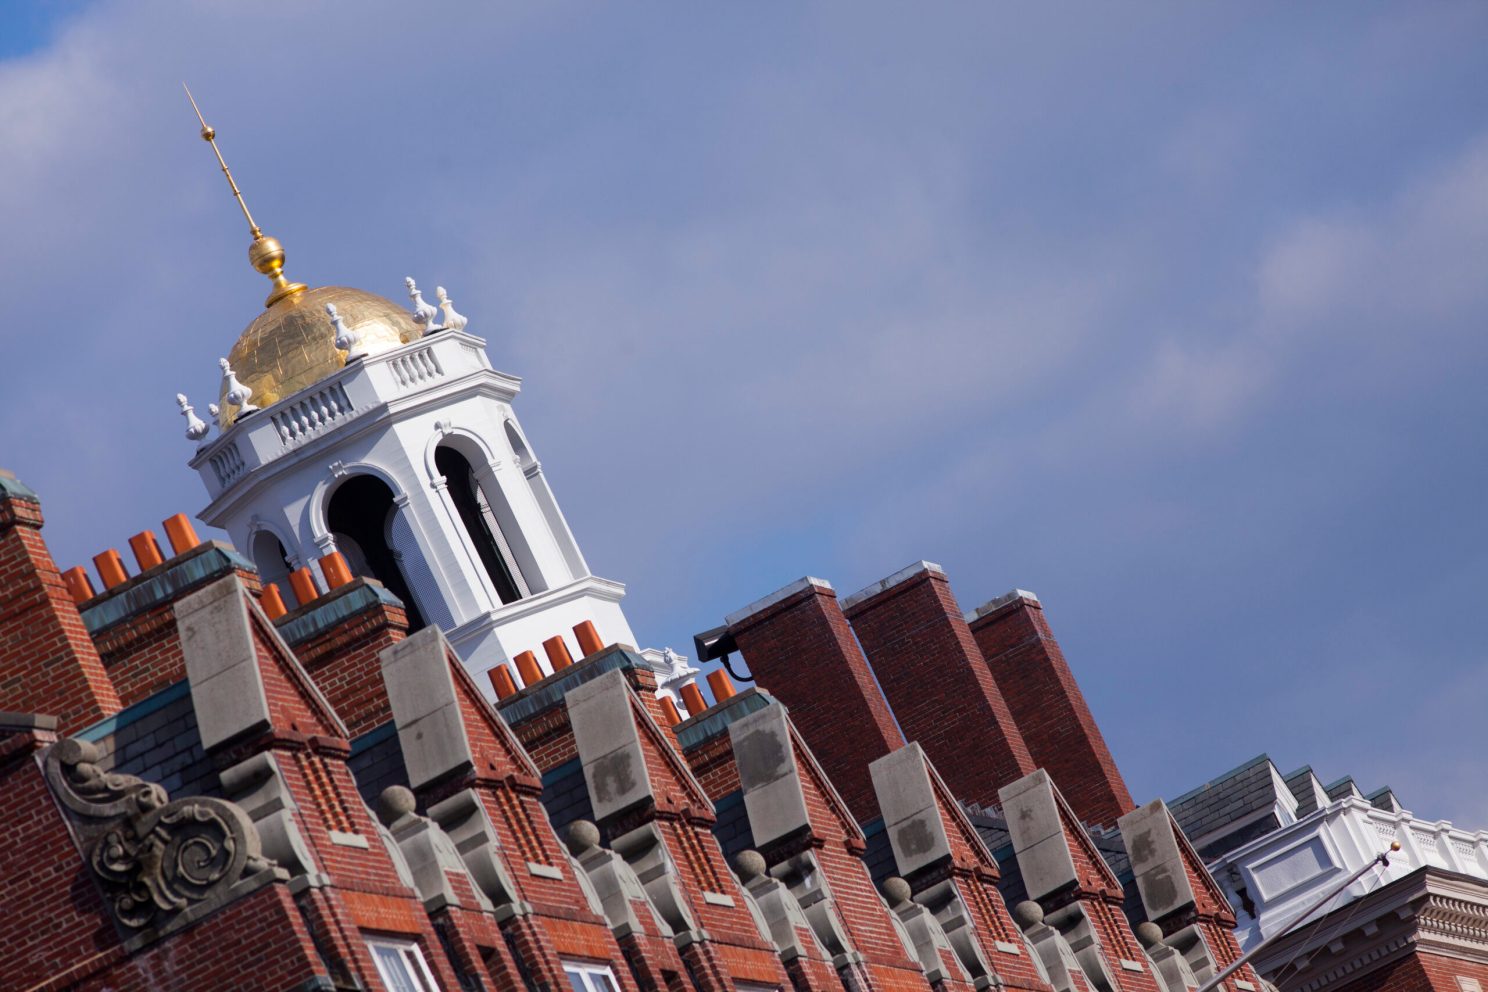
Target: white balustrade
307,413
416,367
227,464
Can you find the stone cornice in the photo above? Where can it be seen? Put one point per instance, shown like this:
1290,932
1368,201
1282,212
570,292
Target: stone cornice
1430,909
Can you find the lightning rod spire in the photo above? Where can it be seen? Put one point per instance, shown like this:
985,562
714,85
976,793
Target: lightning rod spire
265,253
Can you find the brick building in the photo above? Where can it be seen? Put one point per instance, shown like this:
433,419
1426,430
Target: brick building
337,760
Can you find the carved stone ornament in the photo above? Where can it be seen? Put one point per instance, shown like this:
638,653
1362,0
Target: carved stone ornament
154,859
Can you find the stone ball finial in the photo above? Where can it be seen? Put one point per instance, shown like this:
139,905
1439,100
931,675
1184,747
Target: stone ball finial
749,864
1028,914
581,836
896,890
396,802
1149,933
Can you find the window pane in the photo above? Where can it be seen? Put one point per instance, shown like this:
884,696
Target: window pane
393,969
414,958
575,978
601,980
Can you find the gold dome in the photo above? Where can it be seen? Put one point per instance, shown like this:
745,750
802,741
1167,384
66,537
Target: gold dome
291,345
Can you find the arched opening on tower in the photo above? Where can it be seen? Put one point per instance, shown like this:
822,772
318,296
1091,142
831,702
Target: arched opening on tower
518,446
538,486
491,527
360,517
271,559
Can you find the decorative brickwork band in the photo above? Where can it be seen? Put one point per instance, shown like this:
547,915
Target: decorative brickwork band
154,859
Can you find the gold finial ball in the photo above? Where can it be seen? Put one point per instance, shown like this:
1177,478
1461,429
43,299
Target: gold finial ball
266,255
1394,845
208,132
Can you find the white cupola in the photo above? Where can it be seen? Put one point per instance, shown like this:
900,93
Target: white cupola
350,424
411,462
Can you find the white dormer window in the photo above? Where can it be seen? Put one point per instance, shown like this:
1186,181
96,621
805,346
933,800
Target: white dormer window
401,965
585,977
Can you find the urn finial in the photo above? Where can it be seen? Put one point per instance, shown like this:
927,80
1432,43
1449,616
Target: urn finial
425,315
196,428
453,321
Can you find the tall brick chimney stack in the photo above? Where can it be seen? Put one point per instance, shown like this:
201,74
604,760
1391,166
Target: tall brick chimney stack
47,660
941,691
1049,708
801,649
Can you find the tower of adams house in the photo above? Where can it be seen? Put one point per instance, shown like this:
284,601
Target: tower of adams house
404,453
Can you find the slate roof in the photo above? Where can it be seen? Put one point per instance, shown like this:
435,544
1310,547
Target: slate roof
1384,798
879,858
1233,796
992,828
376,762
1343,787
157,740
565,796
1301,782
732,827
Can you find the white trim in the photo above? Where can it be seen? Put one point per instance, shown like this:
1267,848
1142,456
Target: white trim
993,605
784,592
583,974
903,575
410,962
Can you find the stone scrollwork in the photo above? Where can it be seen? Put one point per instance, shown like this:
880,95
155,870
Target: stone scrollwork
153,858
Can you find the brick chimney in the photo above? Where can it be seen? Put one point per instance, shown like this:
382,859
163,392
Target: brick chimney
339,638
942,692
1049,708
800,648
47,661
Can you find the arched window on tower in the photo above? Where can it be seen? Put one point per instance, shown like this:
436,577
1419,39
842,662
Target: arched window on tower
518,446
271,559
543,496
360,517
488,526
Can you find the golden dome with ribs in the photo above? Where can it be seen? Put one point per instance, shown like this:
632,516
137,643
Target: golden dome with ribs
291,345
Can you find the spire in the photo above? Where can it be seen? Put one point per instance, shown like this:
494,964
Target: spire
265,253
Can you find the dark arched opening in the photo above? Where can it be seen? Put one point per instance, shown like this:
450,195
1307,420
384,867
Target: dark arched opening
360,516
481,524
272,560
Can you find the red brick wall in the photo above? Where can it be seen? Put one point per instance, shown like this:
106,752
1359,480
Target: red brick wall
41,868
975,874
802,651
684,817
142,653
840,852
1212,911
940,689
1420,971
343,663
47,662
366,892
1100,892
508,784
1050,711
259,941
59,936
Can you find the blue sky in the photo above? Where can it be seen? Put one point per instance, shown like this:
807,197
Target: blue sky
1173,314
